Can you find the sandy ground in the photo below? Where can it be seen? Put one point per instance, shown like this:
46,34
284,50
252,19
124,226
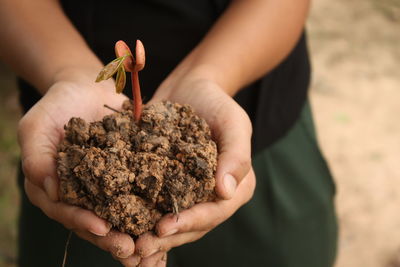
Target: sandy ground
9,158
355,94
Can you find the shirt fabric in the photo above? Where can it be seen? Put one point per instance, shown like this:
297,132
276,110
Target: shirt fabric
170,30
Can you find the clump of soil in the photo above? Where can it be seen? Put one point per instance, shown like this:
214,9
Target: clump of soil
132,173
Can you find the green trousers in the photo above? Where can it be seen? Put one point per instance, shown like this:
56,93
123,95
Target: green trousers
290,221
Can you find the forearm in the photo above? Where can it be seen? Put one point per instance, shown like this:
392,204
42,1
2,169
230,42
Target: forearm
40,43
250,39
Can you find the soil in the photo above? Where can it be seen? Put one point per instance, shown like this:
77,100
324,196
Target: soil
131,173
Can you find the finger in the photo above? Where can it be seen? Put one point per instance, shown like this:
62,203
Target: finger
131,261
163,261
72,217
147,245
38,140
232,130
152,245
120,245
205,216
135,258
51,186
155,260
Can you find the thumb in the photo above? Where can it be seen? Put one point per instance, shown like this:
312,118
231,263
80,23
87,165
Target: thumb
38,138
232,131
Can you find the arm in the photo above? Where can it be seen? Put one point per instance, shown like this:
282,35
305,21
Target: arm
40,43
249,40
43,47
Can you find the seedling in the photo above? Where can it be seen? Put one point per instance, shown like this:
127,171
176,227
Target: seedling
126,62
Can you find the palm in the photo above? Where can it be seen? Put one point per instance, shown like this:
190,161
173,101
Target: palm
44,123
231,130
40,132
229,123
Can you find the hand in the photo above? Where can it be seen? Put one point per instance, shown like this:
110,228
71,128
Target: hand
41,130
235,179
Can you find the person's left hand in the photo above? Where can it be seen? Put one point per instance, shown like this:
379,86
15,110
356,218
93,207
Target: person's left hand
235,178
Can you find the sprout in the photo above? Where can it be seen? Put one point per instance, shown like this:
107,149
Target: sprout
126,62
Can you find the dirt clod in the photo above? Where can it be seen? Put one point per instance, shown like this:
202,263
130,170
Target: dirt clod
132,173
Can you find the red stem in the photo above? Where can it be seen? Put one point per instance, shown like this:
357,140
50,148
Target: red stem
137,98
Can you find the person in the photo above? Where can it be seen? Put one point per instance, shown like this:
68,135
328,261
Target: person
243,66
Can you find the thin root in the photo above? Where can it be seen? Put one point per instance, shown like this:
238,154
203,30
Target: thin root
66,249
110,108
175,208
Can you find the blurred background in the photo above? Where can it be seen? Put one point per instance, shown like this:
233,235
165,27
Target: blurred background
355,95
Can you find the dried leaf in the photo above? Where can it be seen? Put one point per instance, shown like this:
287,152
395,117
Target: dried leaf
110,69
120,80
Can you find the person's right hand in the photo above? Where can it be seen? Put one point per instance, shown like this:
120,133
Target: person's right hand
235,179
41,130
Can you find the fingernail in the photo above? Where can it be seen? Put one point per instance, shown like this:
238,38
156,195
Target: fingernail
101,231
50,188
96,233
230,185
169,233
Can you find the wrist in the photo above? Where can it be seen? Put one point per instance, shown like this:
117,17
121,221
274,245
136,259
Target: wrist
212,74
80,82
82,76
77,74
186,77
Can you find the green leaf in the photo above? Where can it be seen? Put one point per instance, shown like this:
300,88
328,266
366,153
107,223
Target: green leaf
120,81
110,69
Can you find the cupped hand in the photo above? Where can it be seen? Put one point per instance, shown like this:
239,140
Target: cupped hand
41,130
235,179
